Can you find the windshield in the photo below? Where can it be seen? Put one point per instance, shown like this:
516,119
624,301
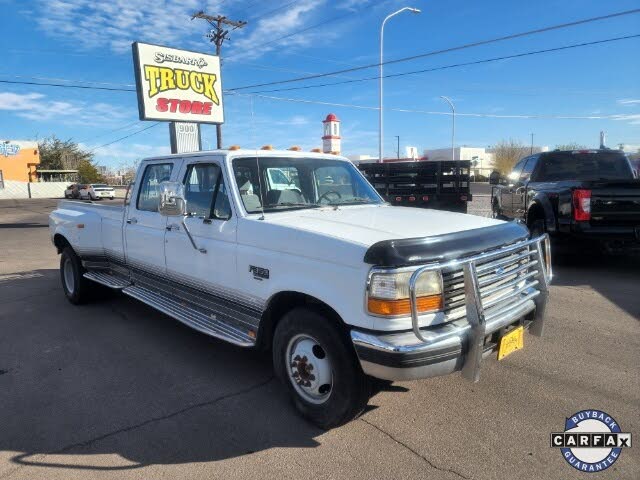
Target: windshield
584,166
293,183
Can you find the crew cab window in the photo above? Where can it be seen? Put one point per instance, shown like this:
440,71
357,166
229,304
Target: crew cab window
583,166
205,192
149,194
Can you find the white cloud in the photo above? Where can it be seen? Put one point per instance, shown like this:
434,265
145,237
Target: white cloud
629,101
117,23
37,107
633,119
285,22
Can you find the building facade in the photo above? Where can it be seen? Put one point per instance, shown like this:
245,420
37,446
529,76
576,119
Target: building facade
18,160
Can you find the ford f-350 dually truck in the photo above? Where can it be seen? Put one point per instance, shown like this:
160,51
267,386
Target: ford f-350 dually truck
316,267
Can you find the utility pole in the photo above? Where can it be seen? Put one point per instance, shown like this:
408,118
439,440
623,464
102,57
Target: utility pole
531,151
398,138
217,35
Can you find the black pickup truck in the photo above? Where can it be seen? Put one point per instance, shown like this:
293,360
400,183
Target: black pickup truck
442,185
586,195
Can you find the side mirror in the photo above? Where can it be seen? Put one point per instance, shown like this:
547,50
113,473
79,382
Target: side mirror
172,202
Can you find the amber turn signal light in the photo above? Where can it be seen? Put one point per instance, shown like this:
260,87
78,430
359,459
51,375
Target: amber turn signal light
426,304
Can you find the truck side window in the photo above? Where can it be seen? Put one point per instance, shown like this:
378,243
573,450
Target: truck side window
528,169
200,185
149,194
205,191
515,173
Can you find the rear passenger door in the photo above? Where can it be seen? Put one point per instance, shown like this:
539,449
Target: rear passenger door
212,222
144,227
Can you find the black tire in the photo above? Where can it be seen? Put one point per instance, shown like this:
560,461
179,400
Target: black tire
349,389
76,287
495,210
537,227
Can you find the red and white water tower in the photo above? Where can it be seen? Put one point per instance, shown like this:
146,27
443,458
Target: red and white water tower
331,138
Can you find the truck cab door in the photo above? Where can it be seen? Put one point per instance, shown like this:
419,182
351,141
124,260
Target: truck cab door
519,199
509,190
144,227
212,222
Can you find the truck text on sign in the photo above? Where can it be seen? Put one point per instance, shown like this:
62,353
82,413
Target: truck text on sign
177,85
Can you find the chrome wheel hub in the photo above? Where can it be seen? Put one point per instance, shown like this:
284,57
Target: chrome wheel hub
309,369
67,271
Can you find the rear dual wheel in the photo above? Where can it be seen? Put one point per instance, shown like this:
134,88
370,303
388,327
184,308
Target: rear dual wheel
319,368
75,286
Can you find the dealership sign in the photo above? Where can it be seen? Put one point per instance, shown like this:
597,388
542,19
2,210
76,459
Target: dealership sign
177,85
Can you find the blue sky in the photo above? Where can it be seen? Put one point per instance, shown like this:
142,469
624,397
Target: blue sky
89,41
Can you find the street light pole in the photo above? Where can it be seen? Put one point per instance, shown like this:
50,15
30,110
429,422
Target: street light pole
380,112
453,126
398,150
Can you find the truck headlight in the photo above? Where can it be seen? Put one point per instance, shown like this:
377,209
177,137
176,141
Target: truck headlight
388,293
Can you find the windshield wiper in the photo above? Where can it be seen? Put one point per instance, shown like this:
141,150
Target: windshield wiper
353,201
292,204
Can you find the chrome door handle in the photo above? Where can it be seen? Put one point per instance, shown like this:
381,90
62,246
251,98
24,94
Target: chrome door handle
173,227
132,221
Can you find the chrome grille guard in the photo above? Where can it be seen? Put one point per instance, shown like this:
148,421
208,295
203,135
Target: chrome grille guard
475,309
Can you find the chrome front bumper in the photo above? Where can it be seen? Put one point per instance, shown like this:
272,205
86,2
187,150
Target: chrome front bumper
459,344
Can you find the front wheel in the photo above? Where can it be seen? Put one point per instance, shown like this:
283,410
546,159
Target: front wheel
538,227
319,368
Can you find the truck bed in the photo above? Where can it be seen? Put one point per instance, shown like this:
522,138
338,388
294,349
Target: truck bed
93,229
428,184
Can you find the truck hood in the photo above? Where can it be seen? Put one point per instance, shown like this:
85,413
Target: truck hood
368,225
384,235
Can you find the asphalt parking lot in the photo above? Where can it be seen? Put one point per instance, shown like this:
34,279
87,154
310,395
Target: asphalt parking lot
115,389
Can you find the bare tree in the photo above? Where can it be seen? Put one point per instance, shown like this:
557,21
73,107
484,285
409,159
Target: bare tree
507,153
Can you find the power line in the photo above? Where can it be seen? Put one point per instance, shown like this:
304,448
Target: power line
108,132
455,65
333,19
414,72
269,12
87,87
125,137
67,80
447,50
428,112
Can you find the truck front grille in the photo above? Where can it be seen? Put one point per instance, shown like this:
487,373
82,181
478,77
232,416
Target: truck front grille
502,281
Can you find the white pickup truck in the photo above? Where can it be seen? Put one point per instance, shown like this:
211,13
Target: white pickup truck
337,283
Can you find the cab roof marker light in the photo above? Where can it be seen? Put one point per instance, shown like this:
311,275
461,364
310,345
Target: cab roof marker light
266,147
295,148
234,147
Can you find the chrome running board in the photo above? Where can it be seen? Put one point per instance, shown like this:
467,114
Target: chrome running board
196,319
107,279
